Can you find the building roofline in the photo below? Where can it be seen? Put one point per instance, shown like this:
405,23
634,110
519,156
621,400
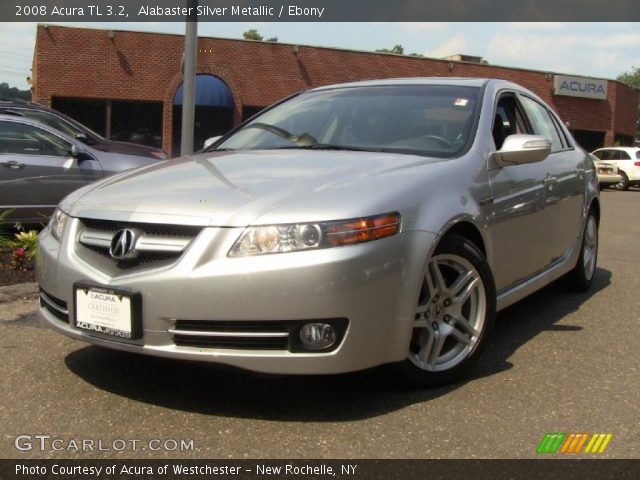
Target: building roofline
340,49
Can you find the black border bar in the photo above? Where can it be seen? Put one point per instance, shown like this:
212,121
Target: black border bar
321,11
352,469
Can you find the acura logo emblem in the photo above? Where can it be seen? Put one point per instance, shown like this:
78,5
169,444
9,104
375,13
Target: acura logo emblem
122,244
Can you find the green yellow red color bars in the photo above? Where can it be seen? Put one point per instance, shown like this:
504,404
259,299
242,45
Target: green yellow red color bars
574,442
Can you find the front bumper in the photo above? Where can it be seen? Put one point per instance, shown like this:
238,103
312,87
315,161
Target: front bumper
373,285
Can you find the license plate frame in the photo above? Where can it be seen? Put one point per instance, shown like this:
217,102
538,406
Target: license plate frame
107,312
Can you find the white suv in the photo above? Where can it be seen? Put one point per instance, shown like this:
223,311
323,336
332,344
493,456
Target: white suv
627,159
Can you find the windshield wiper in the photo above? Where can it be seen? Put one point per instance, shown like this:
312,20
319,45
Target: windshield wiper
331,146
301,140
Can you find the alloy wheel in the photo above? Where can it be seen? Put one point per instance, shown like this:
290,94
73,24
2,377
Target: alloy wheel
450,315
590,248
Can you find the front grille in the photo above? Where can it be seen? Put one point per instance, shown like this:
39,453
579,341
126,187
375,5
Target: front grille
235,335
163,230
55,306
232,343
248,335
142,259
156,244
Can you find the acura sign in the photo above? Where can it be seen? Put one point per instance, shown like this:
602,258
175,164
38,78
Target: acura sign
580,87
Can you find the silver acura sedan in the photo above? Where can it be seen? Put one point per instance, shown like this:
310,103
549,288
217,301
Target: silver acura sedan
347,227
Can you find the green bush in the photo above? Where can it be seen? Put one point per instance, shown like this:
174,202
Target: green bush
23,245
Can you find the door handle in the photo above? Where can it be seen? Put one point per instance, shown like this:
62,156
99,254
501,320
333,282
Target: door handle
549,181
12,164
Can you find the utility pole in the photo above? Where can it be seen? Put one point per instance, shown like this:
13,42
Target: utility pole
189,79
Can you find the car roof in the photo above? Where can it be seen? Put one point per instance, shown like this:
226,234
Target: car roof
454,81
624,149
22,104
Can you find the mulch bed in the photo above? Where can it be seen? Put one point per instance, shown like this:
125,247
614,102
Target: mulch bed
9,276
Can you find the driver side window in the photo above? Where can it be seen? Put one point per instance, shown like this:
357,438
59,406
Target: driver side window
508,120
24,139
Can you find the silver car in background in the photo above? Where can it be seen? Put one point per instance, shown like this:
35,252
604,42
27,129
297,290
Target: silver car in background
380,222
40,165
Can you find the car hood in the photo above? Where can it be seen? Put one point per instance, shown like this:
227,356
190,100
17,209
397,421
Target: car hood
125,148
241,188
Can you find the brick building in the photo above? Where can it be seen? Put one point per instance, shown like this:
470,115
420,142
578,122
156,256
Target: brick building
127,85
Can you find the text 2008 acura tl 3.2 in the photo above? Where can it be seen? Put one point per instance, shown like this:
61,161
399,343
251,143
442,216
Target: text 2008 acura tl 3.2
346,227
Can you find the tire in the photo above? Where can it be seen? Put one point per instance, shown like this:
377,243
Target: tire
581,277
454,315
624,184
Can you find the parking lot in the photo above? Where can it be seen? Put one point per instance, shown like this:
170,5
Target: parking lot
558,362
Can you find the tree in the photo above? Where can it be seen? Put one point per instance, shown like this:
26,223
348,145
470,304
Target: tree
397,49
254,35
632,78
11,93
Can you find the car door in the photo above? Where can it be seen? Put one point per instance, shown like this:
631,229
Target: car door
565,182
518,215
37,169
623,161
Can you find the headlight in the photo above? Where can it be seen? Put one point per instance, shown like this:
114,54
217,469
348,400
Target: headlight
57,223
265,239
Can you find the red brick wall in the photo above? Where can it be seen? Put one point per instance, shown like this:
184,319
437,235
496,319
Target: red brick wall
86,63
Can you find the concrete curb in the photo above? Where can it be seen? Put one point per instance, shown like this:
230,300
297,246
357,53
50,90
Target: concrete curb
20,291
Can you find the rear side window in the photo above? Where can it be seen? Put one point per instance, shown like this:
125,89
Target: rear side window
564,137
638,154
624,155
542,123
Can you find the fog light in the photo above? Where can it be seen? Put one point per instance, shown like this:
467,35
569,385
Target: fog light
318,336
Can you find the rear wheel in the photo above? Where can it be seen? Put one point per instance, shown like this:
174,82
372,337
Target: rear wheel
454,314
581,277
624,182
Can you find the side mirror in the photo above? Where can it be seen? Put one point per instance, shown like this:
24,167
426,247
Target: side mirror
210,141
78,154
521,149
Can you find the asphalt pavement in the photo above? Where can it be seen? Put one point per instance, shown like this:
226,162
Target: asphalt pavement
557,362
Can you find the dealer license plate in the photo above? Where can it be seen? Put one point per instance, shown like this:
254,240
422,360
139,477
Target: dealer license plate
108,312
605,170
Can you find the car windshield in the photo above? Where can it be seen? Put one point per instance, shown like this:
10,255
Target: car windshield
59,123
434,120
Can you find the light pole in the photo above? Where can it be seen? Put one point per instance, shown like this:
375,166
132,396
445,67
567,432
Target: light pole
189,79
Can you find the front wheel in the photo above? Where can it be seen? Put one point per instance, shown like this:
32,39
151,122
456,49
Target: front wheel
454,315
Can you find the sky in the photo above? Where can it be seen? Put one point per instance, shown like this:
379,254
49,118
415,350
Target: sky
602,50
